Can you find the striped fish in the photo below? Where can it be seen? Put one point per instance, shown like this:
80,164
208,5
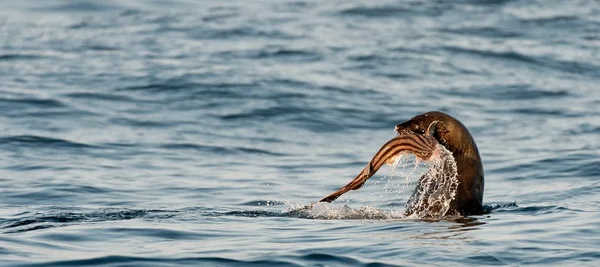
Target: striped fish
422,146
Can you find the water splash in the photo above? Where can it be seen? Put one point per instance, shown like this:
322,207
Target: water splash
326,211
431,199
404,168
436,189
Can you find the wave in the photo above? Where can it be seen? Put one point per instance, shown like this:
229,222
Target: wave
19,56
41,142
58,219
221,149
26,222
297,55
548,62
78,6
160,261
101,96
387,11
284,260
30,102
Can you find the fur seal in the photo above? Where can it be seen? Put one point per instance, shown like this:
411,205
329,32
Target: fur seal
455,137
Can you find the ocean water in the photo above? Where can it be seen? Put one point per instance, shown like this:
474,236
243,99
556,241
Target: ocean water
172,133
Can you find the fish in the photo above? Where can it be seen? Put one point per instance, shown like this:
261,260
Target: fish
423,146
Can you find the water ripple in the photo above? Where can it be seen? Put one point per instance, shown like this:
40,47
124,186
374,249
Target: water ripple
35,141
195,133
43,221
158,261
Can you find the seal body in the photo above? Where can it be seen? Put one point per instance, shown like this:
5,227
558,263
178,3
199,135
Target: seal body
455,137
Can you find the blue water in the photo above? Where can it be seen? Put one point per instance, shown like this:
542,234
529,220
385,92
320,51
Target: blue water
170,133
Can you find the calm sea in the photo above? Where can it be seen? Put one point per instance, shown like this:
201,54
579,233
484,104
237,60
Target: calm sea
171,133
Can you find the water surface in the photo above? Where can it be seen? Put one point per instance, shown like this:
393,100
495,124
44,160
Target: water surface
169,133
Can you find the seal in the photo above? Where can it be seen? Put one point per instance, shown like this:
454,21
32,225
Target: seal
455,137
